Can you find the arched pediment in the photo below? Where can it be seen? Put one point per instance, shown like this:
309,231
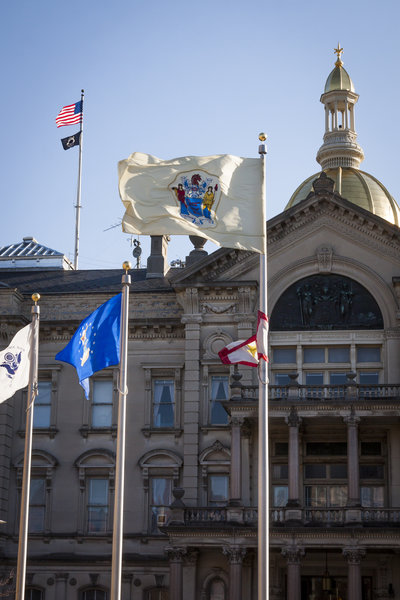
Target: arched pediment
40,458
160,458
215,454
96,458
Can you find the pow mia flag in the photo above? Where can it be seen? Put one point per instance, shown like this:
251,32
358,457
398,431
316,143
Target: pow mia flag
71,141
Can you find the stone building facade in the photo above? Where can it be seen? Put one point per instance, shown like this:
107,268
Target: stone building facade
190,520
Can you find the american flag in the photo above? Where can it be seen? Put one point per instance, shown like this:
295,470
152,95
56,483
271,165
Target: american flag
69,115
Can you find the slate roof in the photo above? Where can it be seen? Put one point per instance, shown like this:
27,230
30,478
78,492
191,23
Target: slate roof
29,281
29,247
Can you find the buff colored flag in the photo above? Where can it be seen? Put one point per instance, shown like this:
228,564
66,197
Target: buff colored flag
216,197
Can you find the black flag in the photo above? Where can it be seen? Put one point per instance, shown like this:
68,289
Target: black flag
71,141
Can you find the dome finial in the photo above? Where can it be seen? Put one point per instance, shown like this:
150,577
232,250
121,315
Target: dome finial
338,51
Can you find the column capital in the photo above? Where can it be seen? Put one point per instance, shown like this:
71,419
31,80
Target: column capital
354,554
235,554
191,556
175,553
293,419
236,421
293,554
352,420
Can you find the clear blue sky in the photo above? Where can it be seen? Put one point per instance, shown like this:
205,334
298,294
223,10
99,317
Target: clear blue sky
179,78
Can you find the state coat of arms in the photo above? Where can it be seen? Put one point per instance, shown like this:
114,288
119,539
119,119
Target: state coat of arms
197,194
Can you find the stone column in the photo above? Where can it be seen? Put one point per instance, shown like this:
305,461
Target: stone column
293,421
235,557
236,461
61,585
175,556
353,478
354,556
189,574
293,555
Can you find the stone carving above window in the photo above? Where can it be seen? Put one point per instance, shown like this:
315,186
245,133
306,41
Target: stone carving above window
326,302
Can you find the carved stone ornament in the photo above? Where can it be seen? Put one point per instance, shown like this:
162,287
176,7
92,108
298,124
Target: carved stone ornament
293,554
354,555
175,553
324,256
293,419
323,184
214,343
234,554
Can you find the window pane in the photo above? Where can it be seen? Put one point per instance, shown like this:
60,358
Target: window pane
338,471
33,594
282,379
102,391
94,595
102,415
36,519
315,471
37,491
338,355
371,448
284,355
218,488
42,405
219,391
368,354
368,378
326,448
314,378
281,495
161,491
281,448
280,471
315,496
163,409
337,378
98,491
314,355
372,496
338,495
371,471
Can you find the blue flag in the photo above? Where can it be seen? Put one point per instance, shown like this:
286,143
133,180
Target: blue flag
95,344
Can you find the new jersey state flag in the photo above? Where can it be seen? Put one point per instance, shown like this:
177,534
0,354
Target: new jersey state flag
15,362
95,344
216,197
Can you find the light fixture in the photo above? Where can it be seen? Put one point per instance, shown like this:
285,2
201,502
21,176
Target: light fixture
326,579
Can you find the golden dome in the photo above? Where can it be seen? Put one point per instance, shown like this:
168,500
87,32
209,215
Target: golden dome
358,187
339,79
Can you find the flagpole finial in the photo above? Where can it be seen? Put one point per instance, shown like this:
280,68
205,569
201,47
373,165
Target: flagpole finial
36,298
262,149
262,136
126,265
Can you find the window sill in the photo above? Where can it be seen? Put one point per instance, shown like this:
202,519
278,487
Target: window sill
207,428
85,431
149,431
48,431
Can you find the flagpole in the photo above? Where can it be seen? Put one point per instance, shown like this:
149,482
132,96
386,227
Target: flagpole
26,477
118,533
263,467
78,193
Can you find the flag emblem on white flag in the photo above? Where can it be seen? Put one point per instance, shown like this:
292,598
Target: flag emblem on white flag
217,197
14,363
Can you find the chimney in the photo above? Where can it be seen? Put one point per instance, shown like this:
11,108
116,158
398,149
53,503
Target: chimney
157,265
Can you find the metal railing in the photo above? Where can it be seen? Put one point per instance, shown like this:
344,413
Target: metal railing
330,392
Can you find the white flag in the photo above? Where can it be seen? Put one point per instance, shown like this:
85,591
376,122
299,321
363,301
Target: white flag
216,197
14,363
242,352
262,336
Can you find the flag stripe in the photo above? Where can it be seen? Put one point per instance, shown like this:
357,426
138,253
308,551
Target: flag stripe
70,114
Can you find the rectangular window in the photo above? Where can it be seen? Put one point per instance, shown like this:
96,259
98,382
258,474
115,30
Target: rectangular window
338,471
282,379
368,354
163,403
371,449
368,378
281,448
37,505
284,355
97,505
337,378
322,496
326,448
316,471
42,406
338,355
102,402
314,355
218,490
371,471
314,378
280,495
219,392
280,471
160,500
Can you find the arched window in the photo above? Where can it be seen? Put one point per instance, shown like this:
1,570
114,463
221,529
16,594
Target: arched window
156,593
32,593
96,478
93,594
215,464
160,471
215,586
42,474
